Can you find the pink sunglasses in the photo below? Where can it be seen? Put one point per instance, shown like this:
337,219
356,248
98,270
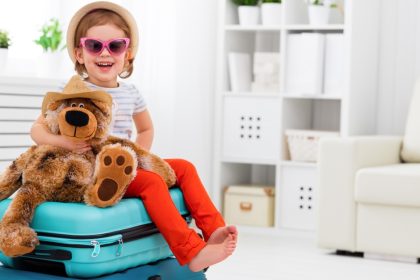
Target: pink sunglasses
114,46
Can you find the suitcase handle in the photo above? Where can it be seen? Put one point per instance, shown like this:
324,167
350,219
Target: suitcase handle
57,255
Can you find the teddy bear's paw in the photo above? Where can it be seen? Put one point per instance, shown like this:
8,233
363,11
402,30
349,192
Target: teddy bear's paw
116,168
17,240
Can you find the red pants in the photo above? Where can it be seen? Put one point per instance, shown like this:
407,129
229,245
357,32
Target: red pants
183,241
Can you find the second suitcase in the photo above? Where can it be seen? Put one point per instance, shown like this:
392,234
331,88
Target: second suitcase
84,241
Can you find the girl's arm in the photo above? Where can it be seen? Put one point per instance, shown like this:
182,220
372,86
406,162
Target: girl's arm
42,136
144,127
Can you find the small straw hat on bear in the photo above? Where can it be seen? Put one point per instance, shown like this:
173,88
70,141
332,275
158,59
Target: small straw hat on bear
76,88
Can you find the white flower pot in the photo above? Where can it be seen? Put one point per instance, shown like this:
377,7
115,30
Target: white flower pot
3,59
49,64
271,13
249,15
318,15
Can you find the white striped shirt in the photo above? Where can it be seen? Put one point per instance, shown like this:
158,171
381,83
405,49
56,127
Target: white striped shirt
127,101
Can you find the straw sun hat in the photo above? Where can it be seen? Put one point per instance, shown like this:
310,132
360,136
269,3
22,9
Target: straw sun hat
124,13
76,88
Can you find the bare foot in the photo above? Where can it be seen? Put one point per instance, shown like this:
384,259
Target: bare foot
213,253
220,234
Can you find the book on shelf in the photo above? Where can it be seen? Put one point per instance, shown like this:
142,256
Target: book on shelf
240,73
334,64
305,63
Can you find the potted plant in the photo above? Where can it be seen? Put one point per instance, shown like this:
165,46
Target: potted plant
5,42
50,40
271,12
248,11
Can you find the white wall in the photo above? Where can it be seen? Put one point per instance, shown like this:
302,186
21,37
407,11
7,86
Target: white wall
399,63
175,69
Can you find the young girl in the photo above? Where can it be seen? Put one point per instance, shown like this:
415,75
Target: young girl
102,42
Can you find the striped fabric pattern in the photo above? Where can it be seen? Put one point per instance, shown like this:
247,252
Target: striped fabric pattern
127,101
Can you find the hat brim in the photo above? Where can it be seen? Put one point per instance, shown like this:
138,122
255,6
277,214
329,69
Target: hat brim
56,96
124,13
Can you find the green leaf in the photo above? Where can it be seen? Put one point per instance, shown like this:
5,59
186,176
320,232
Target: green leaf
51,36
5,41
271,1
246,2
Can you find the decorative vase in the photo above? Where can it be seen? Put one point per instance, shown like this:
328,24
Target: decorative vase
49,65
318,15
3,59
271,14
249,15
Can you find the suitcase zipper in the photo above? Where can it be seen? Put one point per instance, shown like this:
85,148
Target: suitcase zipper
101,240
85,243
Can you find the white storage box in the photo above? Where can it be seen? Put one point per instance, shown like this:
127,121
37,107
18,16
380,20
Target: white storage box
251,128
249,205
303,144
298,197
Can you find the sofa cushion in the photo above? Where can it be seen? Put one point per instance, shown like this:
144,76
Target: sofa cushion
411,144
397,185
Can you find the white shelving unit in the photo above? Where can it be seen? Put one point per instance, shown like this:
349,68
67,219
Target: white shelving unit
250,143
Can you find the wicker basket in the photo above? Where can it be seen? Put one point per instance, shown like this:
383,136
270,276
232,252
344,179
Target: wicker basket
303,144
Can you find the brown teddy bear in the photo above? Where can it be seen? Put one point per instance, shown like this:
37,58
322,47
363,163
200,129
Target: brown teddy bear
47,173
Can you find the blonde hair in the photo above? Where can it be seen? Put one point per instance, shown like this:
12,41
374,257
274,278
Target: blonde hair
102,17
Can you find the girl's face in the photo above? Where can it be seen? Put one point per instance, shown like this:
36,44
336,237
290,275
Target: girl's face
103,68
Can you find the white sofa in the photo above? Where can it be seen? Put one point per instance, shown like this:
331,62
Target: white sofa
369,191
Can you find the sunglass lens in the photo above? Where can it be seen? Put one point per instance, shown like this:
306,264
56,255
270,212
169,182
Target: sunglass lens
117,46
93,46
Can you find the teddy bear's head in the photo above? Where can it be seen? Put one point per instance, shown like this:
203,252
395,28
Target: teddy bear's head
78,112
79,118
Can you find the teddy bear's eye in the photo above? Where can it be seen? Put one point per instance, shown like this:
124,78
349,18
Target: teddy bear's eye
73,105
81,105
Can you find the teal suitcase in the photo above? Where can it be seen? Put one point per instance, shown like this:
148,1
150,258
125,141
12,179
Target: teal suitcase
84,241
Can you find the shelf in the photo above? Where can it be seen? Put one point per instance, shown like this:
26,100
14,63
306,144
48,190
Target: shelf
307,27
299,163
243,154
252,94
252,28
312,96
250,161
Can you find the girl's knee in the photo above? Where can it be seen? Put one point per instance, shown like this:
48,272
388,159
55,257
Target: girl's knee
184,165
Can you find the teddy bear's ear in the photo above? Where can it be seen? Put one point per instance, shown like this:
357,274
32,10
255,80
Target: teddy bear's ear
102,106
52,106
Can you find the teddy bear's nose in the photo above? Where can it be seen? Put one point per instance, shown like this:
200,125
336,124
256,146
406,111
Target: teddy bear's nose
77,118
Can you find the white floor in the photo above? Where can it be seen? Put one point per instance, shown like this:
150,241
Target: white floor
288,257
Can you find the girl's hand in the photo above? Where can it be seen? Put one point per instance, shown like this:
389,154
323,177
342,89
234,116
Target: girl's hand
79,147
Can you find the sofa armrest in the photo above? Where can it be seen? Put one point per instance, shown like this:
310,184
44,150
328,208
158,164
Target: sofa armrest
339,160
